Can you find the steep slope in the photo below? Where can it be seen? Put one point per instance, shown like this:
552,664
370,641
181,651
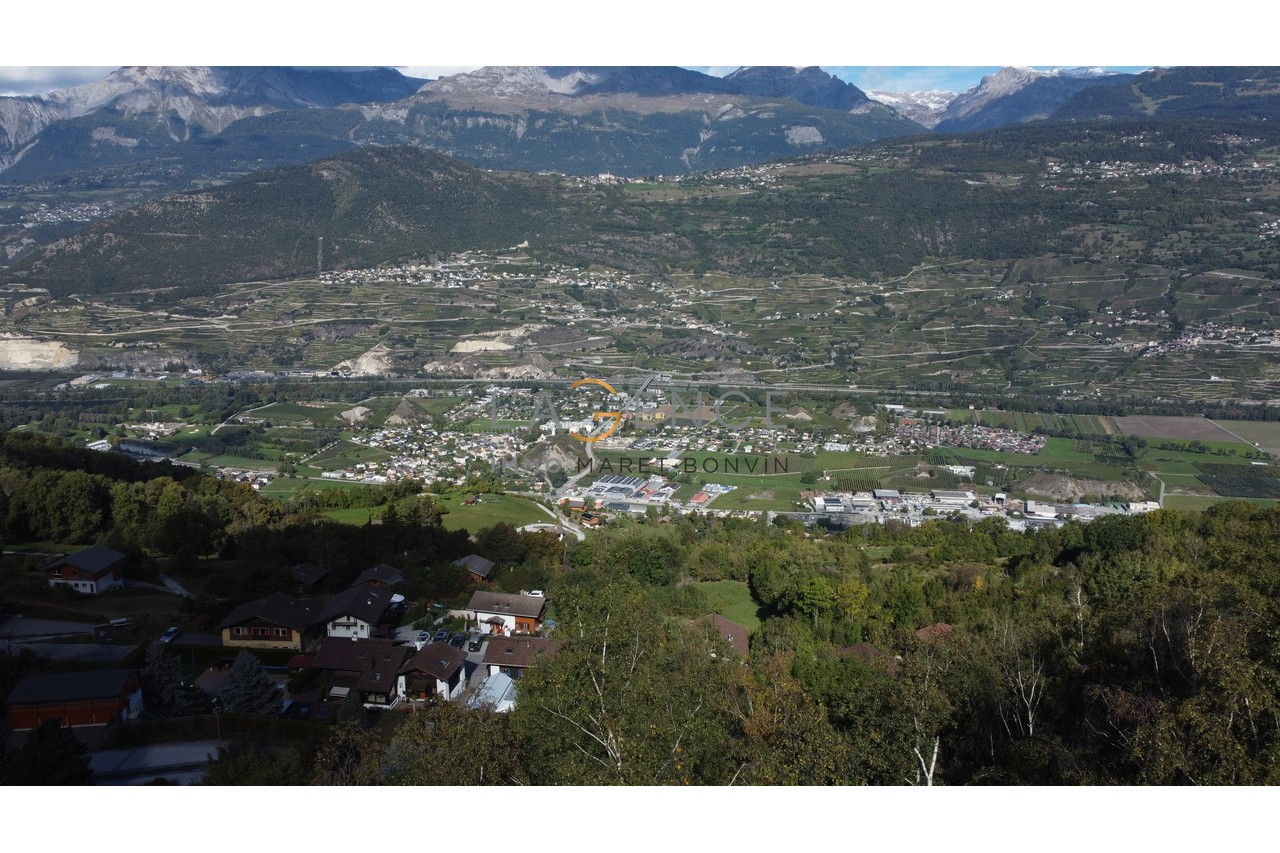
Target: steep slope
583,120
1184,196
180,101
924,108
811,86
1251,94
1014,95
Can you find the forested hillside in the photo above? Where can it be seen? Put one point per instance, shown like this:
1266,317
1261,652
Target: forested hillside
1129,650
1189,195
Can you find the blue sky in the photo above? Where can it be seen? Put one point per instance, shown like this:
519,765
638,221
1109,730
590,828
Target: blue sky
36,80
912,78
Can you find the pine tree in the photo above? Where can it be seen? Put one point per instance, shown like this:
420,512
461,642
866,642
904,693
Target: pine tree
163,690
52,755
248,690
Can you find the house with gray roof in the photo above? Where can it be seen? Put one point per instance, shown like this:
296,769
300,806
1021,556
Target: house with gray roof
504,613
356,612
91,571
275,621
369,667
480,568
75,699
437,670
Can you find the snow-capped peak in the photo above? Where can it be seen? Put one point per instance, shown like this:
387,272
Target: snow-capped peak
922,107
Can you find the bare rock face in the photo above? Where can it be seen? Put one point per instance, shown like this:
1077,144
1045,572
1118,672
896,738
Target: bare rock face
375,362
1062,487
33,354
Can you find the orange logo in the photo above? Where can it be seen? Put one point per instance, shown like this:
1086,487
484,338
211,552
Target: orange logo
617,416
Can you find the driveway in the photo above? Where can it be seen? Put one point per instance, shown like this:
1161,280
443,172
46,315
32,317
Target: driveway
40,629
184,763
85,652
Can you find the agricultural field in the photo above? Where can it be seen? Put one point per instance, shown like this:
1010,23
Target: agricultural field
1241,481
346,454
300,414
1083,425
1199,502
1037,326
1176,428
1261,434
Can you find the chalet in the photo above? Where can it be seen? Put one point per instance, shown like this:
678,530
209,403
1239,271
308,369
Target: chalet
76,698
728,630
480,568
276,621
936,631
511,656
414,557
369,667
91,571
357,611
437,670
309,574
502,613
380,575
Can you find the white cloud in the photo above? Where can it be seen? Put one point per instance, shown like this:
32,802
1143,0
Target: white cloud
41,79
433,72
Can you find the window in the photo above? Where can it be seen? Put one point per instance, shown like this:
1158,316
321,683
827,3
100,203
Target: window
281,632
239,632
260,633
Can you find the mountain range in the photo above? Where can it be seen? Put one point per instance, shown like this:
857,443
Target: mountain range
1023,191
176,126
77,154
171,128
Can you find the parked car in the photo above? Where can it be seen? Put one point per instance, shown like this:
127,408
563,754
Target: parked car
442,636
170,635
457,640
421,640
536,593
475,643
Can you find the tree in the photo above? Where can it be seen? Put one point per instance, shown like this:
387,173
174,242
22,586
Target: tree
787,738
257,766
426,748
163,689
248,690
52,755
351,755
628,699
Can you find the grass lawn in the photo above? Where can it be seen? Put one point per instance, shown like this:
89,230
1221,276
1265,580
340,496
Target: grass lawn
732,600
356,515
140,604
491,509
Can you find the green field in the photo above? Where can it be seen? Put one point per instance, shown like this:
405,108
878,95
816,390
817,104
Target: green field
1197,502
287,487
290,413
516,511
732,600
1263,434
356,515
346,454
